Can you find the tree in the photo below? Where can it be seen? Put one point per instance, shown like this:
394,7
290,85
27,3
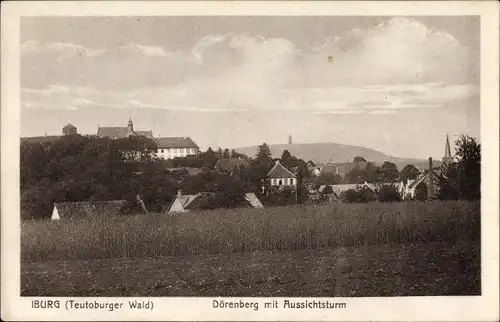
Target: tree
370,173
462,180
209,158
359,159
226,154
388,194
263,155
448,182
236,155
468,152
328,179
360,195
230,193
286,158
388,172
408,172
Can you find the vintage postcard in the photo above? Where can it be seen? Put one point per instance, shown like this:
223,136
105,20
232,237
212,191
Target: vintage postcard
217,161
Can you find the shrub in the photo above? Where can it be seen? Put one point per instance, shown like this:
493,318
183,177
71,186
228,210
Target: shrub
361,195
388,194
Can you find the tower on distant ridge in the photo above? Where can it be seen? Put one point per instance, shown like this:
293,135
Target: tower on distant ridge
448,158
289,139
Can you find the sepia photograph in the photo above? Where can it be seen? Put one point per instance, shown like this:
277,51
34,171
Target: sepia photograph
250,156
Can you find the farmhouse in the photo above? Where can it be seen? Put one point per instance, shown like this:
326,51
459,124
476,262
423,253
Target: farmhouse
429,179
66,210
281,176
184,203
175,147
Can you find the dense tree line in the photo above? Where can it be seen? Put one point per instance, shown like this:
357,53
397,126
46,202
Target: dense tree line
81,168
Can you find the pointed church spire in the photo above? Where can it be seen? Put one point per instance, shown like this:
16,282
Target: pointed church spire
447,150
448,158
130,124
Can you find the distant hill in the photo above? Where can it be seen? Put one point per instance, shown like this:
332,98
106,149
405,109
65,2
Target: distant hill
322,152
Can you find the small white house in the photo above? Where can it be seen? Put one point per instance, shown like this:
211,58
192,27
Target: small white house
281,176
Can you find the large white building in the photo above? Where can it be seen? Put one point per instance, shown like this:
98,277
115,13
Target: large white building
176,147
168,147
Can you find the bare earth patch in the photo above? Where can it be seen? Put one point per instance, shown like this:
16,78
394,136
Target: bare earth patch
393,270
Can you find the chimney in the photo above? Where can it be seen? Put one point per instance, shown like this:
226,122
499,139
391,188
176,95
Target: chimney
430,164
179,193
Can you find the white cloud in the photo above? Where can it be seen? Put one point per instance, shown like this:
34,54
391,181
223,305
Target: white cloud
146,50
198,50
60,50
399,64
399,51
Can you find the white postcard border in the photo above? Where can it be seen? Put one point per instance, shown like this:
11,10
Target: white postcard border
459,308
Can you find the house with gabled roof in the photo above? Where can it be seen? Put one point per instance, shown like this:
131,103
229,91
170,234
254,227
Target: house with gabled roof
429,178
81,209
175,147
279,175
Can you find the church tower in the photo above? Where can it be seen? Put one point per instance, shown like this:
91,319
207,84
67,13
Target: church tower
289,139
130,125
448,158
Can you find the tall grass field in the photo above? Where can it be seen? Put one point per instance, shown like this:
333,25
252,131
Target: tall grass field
245,230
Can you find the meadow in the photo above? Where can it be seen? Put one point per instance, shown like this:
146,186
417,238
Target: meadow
429,248
244,230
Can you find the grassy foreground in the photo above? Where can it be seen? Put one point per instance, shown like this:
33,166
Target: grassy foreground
248,230
431,269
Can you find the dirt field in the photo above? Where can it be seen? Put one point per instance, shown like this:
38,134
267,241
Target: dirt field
395,270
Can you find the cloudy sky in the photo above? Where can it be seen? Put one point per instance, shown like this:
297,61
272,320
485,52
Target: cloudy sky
395,84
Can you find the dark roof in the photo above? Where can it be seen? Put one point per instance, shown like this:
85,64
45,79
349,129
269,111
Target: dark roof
148,134
175,142
279,171
120,132
69,126
41,139
230,164
88,208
